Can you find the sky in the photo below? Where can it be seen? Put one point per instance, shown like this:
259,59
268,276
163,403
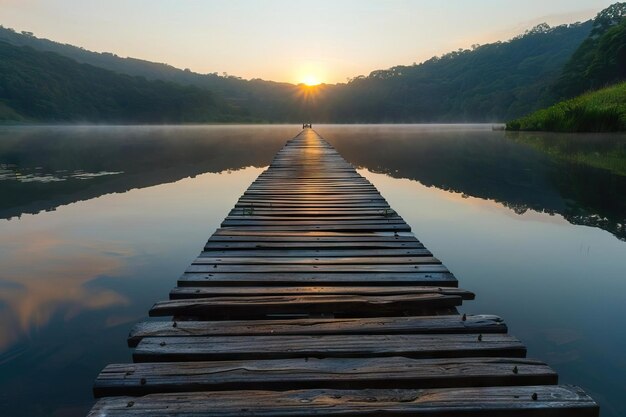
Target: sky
286,40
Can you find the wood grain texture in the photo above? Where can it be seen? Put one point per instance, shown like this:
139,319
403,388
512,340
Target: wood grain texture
447,402
179,293
313,253
361,373
339,305
436,276
207,259
475,324
159,349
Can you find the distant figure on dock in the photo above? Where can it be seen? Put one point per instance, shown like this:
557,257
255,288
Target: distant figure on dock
305,125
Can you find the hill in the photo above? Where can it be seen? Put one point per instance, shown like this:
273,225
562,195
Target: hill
599,111
266,100
491,82
600,60
44,86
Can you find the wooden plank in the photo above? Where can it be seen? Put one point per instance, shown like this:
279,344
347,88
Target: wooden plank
319,224
179,293
321,213
205,259
319,269
315,198
314,204
307,192
322,235
288,247
232,221
294,241
436,275
309,218
333,373
280,252
314,234
174,349
330,227
524,401
339,305
474,324
286,187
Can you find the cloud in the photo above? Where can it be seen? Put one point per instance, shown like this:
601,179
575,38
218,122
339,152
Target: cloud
55,281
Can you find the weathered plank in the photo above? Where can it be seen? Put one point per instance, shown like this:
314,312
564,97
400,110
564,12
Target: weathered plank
201,292
340,227
435,275
157,349
311,245
240,234
526,401
208,259
339,305
319,269
308,218
312,254
472,324
356,373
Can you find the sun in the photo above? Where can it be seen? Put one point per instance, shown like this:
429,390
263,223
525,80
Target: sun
310,80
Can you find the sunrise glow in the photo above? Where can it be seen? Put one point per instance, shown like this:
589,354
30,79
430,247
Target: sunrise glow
310,80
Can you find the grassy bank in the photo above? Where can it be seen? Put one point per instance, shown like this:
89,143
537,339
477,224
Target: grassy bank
598,111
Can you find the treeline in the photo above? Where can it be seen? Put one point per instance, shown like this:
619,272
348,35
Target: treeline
600,60
487,83
263,100
592,97
44,86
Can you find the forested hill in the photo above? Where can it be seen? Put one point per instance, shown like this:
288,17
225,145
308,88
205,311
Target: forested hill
492,82
267,100
44,86
600,60
488,83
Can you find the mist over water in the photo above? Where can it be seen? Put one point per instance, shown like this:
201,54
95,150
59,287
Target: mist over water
97,223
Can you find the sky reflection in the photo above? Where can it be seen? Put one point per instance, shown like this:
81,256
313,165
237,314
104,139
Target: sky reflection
559,286
73,281
508,220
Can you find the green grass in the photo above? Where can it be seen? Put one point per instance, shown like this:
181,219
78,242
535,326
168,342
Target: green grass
598,111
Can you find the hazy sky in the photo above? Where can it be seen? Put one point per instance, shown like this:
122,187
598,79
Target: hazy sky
286,40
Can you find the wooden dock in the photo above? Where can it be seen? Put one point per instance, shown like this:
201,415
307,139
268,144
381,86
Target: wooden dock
314,298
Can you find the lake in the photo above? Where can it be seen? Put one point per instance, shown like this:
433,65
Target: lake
98,222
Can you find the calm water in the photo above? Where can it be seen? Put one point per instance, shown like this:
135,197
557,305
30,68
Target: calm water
97,223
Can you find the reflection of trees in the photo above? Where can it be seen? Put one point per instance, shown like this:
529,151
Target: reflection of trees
594,149
510,171
575,176
145,156
591,175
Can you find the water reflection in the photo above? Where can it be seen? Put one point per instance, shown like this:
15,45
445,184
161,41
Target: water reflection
62,165
581,177
559,286
56,280
130,207
73,280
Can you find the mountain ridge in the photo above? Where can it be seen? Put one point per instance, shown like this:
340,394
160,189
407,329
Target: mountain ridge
489,83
